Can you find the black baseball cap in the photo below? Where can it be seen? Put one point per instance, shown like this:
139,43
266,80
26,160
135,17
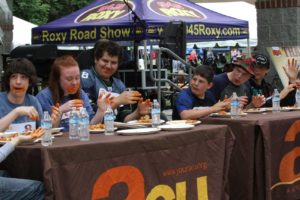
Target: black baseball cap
262,61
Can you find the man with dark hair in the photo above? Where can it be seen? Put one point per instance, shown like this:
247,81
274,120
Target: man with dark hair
107,56
196,101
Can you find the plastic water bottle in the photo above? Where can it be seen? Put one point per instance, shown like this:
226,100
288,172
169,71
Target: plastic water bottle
234,105
155,113
109,118
73,124
84,121
276,101
46,123
297,98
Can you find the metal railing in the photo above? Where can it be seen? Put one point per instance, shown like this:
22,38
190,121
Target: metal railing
159,61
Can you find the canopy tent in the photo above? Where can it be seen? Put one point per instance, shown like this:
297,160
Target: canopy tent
21,32
113,20
240,10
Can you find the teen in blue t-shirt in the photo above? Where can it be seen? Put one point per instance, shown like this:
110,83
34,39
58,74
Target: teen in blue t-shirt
196,101
23,109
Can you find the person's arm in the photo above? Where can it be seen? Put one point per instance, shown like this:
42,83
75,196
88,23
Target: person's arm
5,121
143,108
291,70
9,147
132,116
256,102
289,99
5,150
125,98
103,101
198,113
286,90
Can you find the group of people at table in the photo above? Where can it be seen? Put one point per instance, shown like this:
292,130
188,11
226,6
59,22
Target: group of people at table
96,87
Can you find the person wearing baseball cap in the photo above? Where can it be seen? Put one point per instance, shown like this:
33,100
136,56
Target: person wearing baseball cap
258,85
259,88
226,83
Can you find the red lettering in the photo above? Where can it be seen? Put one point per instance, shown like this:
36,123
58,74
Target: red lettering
116,6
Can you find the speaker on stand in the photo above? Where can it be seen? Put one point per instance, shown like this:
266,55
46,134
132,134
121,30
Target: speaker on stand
174,38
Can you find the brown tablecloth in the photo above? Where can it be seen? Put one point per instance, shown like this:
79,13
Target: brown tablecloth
262,160
167,164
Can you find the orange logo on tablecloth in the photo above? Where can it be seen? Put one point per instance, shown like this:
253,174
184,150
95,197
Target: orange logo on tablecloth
287,174
127,174
134,179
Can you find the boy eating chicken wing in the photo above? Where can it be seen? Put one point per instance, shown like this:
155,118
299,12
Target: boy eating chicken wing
196,101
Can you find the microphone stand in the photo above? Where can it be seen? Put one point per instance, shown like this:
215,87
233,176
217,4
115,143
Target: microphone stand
135,41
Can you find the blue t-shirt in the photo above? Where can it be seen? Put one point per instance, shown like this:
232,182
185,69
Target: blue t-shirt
6,107
223,87
186,100
45,98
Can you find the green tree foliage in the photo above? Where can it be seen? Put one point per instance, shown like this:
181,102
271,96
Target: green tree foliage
60,8
43,11
34,11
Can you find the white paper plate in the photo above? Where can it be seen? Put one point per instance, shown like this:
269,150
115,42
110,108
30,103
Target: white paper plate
8,133
57,134
193,122
286,109
176,127
138,131
56,130
136,122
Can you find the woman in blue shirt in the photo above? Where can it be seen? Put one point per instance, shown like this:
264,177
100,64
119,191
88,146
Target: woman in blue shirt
63,93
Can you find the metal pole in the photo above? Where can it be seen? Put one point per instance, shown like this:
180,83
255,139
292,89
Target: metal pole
159,78
249,48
